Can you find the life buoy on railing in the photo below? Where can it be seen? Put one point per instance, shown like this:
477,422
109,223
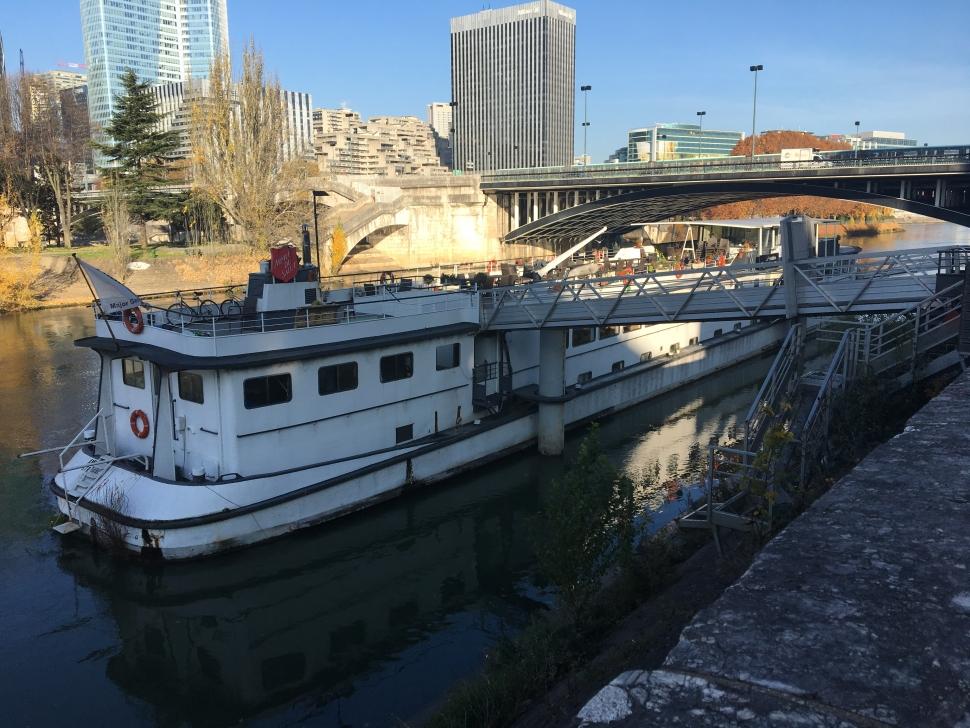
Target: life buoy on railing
492,266
133,320
680,270
139,424
721,260
387,277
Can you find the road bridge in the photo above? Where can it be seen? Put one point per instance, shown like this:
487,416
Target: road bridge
569,203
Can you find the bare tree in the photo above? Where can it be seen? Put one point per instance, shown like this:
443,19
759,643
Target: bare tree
60,135
238,133
116,219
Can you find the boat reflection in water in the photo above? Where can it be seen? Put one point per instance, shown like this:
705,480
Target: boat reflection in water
373,617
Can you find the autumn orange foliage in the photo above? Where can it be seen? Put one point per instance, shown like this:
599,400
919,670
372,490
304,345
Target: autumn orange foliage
772,142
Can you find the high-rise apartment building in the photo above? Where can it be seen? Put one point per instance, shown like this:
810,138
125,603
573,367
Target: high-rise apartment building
162,41
58,81
384,146
439,118
513,78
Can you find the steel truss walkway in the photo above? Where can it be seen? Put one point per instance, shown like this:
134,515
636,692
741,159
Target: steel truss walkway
868,282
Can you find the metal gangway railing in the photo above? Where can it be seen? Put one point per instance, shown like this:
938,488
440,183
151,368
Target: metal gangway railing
836,285
778,386
877,347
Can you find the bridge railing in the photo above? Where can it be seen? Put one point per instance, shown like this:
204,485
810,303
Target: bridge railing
831,285
720,165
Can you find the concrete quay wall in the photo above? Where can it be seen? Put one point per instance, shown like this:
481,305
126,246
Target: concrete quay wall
857,614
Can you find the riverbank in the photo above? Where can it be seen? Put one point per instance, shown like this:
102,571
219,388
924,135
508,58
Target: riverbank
688,578
54,281
856,614
863,229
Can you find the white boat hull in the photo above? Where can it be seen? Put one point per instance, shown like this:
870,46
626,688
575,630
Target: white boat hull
137,512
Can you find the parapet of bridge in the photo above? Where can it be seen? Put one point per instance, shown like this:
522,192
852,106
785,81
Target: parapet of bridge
570,203
857,614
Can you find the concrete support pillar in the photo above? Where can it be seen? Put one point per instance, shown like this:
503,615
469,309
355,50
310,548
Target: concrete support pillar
515,210
903,189
535,206
939,194
796,244
869,185
598,192
555,201
552,383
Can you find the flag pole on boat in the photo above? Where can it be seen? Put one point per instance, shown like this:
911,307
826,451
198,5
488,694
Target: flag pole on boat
94,296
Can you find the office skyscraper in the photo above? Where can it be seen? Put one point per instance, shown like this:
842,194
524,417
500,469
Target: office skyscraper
160,40
513,76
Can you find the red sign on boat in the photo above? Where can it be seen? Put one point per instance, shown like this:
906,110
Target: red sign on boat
283,263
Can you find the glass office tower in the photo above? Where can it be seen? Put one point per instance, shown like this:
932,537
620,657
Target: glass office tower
160,40
663,142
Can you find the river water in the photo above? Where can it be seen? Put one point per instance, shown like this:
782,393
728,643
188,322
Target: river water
360,622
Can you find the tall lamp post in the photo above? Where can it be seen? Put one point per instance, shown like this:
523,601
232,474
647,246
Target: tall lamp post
585,90
754,108
454,135
700,126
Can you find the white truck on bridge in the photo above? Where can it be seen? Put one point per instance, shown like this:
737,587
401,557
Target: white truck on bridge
793,158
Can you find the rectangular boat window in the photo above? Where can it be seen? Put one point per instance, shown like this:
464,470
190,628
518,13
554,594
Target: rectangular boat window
718,332
447,356
190,387
646,356
337,378
133,373
264,391
607,332
632,327
404,433
584,378
584,335
397,366
618,366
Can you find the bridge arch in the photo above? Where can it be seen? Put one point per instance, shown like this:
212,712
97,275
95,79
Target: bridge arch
623,212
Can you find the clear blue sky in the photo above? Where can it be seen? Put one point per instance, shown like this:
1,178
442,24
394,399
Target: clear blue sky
892,65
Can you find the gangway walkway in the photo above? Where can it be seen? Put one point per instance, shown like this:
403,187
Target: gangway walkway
839,285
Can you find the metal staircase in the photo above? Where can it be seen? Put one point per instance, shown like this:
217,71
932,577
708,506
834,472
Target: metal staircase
923,340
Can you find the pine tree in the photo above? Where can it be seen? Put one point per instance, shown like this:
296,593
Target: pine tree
139,153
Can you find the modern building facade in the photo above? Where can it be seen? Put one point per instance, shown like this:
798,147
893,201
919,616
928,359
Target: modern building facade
174,103
875,140
162,41
384,146
513,80
662,142
58,81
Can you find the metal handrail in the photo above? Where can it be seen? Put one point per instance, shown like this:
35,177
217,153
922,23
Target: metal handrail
539,300
780,376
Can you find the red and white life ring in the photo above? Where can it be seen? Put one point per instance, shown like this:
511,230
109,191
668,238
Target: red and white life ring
133,320
139,424
680,270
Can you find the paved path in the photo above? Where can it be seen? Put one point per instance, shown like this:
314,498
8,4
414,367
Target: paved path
857,614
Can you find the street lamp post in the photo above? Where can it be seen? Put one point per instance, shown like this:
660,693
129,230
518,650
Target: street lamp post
754,108
585,90
454,135
700,126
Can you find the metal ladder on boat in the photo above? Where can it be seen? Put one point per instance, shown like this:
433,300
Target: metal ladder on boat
91,474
